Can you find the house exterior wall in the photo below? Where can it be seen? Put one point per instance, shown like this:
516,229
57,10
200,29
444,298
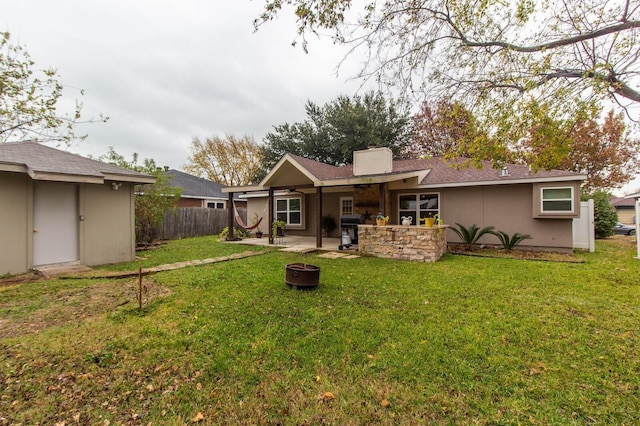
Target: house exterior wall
330,207
189,202
15,216
626,215
107,233
507,207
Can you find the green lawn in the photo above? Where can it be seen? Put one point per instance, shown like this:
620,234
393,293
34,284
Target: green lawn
466,340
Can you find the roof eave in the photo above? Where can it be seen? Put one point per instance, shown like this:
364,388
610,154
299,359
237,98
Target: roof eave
505,181
251,188
370,179
130,178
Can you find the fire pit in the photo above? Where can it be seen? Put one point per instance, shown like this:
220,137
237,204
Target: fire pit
302,275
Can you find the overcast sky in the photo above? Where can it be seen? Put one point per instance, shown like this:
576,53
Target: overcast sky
166,71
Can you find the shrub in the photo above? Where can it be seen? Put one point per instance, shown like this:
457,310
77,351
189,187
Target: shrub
605,215
472,234
510,242
237,233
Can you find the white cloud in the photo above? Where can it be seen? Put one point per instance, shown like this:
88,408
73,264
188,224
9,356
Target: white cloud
165,71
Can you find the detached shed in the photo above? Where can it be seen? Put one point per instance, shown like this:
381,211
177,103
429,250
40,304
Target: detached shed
57,207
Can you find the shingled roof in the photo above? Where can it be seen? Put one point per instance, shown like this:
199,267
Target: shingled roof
42,162
443,172
195,186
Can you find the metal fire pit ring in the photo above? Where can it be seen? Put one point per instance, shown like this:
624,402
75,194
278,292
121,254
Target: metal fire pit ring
302,275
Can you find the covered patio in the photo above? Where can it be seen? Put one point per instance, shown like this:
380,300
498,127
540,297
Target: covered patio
300,243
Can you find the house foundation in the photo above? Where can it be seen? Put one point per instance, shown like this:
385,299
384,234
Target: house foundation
417,243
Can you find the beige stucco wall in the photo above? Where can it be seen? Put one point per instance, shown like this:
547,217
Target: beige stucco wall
507,207
626,215
106,235
330,207
15,214
107,231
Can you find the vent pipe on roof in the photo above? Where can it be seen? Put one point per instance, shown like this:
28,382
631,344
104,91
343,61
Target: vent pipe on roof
504,172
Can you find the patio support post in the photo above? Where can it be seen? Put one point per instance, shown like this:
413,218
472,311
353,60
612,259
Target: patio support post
319,217
638,226
230,236
381,199
270,201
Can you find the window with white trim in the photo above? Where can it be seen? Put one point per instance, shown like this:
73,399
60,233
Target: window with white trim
346,206
418,206
556,200
289,210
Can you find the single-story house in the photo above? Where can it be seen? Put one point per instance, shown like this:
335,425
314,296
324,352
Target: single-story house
514,199
59,207
636,199
200,192
625,207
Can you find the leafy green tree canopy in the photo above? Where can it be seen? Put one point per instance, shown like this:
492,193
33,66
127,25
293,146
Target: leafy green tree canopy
333,131
29,100
152,201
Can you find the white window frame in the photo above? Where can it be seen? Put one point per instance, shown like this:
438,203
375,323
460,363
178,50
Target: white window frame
418,209
342,206
288,211
570,199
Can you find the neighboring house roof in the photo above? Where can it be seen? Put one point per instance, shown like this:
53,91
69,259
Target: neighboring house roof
430,173
195,186
622,202
41,162
636,195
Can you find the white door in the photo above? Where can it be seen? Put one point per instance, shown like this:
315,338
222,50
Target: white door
55,223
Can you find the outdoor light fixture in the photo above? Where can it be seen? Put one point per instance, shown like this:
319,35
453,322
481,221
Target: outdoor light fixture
116,185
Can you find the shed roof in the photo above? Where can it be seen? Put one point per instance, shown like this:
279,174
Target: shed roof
42,162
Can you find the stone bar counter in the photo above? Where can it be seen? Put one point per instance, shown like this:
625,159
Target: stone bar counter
418,243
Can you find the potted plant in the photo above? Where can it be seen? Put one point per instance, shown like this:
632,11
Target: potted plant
277,228
256,220
381,220
428,221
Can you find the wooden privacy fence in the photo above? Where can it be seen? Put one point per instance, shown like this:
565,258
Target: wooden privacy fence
195,221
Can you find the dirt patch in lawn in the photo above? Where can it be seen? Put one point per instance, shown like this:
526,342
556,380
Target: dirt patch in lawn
514,254
73,305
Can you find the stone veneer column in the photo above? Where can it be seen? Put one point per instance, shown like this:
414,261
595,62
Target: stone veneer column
417,243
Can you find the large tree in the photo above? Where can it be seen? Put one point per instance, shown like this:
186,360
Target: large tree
503,58
602,149
449,129
29,100
231,161
333,131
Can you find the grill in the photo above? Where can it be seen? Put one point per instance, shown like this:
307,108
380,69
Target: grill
349,229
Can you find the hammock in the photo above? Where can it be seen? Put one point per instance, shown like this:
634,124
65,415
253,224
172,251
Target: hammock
241,222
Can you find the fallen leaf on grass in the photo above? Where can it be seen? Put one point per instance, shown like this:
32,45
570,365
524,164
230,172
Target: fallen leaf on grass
197,418
385,403
326,397
537,368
